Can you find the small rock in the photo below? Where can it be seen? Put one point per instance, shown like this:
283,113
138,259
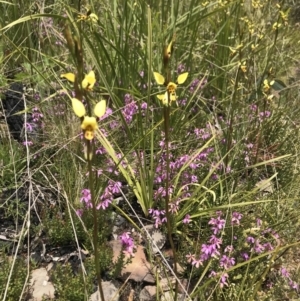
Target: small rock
265,186
139,269
120,220
116,246
180,269
36,256
40,285
167,283
186,286
157,238
148,293
109,290
168,296
49,266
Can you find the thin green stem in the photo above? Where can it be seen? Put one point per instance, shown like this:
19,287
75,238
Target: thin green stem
95,218
167,200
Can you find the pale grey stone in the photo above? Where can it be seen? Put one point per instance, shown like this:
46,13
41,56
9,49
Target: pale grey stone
109,290
40,285
147,293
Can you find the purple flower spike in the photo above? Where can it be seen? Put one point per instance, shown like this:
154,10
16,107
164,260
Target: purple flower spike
218,224
227,262
236,217
223,280
187,219
85,195
128,243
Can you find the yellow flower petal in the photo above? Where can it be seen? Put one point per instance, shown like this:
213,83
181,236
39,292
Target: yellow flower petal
100,108
89,80
78,107
159,78
93,17
266,86
69,76
89,123
182,78
85,83
163,98
244,68
173,96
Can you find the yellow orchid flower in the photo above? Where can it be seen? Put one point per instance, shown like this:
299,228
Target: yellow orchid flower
266,86
94,18
89,123
243,67
88,17
171,90
88,81
170,94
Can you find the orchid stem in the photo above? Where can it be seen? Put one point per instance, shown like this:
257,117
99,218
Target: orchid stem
95,218
168,215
